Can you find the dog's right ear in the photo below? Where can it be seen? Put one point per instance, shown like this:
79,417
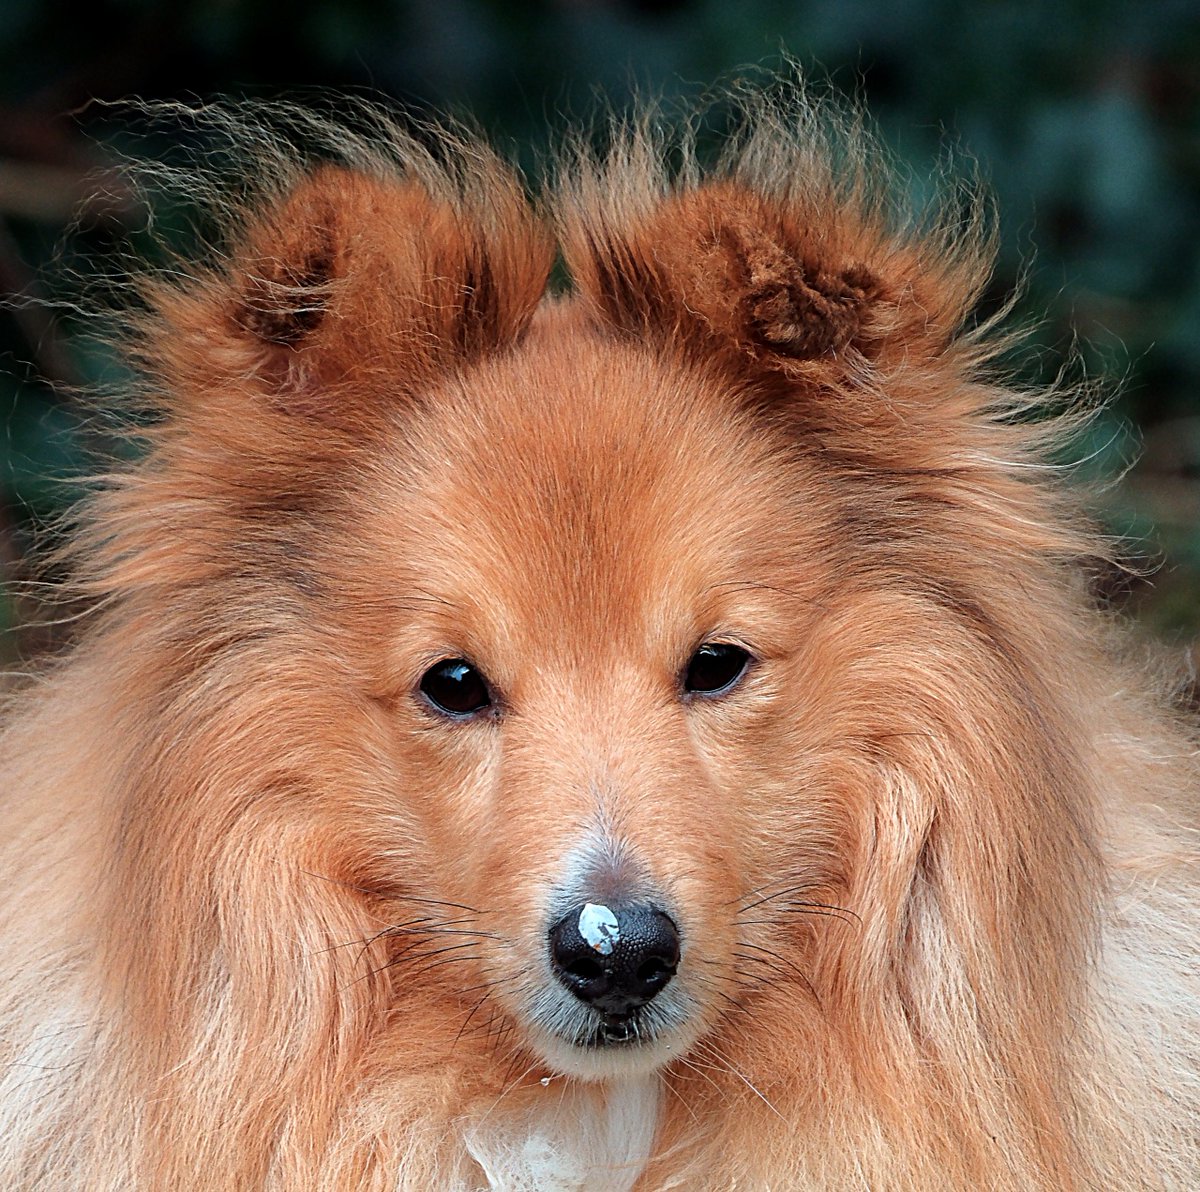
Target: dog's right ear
346,294
800,285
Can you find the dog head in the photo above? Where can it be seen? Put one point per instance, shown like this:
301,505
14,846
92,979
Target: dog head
604,677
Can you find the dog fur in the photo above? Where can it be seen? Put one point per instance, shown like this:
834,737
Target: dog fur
269,921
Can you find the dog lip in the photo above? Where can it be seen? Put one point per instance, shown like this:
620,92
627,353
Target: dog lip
596,1046
615,1030
622,1032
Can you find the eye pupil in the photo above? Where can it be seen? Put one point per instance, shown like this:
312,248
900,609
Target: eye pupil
455,687
715,667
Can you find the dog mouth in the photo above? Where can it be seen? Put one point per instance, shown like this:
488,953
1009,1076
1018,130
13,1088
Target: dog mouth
579,1041
616,1031
607,1051
584,1029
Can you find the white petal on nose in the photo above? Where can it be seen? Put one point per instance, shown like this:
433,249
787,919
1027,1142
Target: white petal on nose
598,926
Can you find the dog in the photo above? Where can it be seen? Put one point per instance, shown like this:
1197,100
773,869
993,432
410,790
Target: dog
650,731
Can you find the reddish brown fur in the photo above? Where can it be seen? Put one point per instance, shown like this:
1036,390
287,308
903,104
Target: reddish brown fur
934,858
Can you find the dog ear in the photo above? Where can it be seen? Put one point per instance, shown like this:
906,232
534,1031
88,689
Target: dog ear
351,292
783,286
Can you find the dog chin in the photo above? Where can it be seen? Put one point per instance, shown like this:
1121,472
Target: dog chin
602,1057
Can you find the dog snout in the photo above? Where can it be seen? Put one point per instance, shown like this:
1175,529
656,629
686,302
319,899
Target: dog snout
615,957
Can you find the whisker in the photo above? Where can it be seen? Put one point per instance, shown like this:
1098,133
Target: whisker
364,943
760,889
440,963
778,969
467,1021
458,906
823,909
436,930
390,896
780,893
798,906
699,1069
780,965
715,987
665,1081
783,961
505,1091
408,957
711,1051
484,985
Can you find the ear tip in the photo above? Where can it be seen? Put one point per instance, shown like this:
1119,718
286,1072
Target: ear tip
805,314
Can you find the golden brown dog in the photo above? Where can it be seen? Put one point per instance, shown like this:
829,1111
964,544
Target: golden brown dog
655,736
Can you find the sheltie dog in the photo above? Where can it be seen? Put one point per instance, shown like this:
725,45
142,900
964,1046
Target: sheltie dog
650,731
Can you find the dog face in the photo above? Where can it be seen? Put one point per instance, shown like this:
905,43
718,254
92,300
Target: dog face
627,673
597,573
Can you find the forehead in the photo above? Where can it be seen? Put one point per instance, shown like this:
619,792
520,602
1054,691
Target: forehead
580,478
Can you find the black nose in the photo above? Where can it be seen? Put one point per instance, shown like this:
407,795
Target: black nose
614,957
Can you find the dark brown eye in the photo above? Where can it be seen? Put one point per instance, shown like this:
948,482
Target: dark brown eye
455,687
715,667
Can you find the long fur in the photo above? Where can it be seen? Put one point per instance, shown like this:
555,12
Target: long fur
269,922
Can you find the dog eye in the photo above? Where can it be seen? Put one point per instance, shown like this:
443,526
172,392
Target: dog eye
715,667
455,687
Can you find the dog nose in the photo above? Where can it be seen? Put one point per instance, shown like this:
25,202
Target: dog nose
614,957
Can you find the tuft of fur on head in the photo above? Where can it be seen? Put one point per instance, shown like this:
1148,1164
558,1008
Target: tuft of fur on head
280,922
790,248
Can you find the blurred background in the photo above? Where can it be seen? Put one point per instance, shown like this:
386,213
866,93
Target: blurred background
1084,115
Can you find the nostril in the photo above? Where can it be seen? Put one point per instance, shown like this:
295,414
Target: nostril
584,968
654,971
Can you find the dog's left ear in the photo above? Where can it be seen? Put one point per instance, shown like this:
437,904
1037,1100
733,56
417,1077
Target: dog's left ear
346,295
786,287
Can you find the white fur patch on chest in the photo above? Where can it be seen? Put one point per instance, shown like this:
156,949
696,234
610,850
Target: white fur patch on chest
569,1137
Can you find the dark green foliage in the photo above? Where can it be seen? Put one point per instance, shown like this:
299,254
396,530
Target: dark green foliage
1084,116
